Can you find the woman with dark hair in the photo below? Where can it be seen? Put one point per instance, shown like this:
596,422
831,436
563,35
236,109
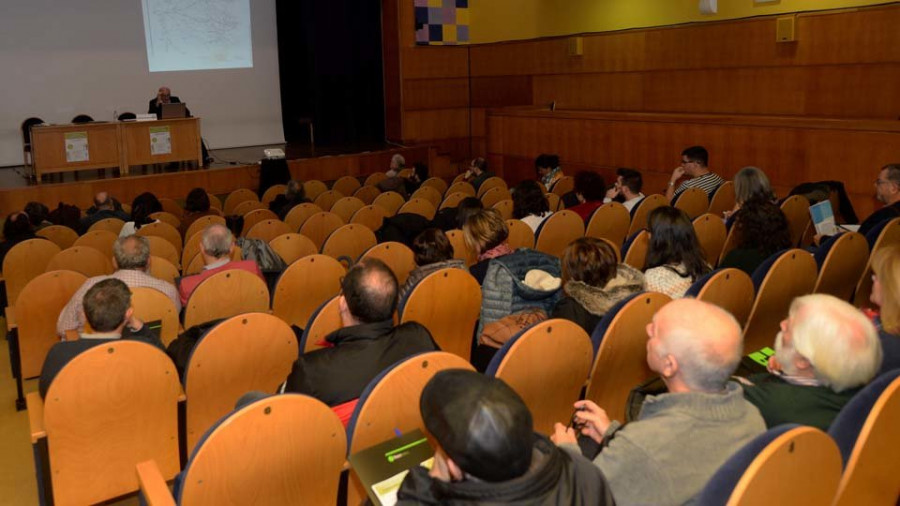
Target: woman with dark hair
196,205
674,256
16,228
142,207
548,170
593,282
293,195
762,231
590,190
433,252
530,205
37,215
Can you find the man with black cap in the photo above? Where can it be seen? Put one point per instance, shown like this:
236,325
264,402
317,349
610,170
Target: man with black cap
487,451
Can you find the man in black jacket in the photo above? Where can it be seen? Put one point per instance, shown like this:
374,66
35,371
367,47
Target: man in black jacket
367,344
488,451
163,96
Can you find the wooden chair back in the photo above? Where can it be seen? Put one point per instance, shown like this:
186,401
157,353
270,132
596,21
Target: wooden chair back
152,305
460,250
792,275
113,225
367,193
292,247
215,203
167,217
610,221
173,207
247,206
505,208
83,259
437,183
347,207
319,226
494,195
267,230
422,207
160,268
430,194
349,243
557,231
890,235
732,239
346,185
553,201
45,294
326,199
24,262
197,263
406,173
796,210
304,286
100,240
191,248
563,185
106,431
217,375
693,202
164,230
272,192
491,183
395,255
642,211
325,320
200,224
711,234
459,177
313,188
60,235
520,234
236,197
636,255
371,217
453,199
722,199
161,247
374,179
621,361
390,201
732,290
451,325
297,216
226,294
460,187
554,352
843,266
256,216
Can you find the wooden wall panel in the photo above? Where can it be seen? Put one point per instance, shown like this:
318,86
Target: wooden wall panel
428,62
621,91
419,94
501,91
435,124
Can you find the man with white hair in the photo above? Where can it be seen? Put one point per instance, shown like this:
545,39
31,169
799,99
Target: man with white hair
694,347
826,351
216,247
397,164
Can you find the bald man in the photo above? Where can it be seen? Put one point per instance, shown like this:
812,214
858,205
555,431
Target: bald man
163,96
216,247
694,347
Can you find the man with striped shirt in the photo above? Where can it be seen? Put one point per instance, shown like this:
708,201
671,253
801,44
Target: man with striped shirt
693,164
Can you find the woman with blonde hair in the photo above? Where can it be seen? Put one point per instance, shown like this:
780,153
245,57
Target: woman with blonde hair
486,234
886,295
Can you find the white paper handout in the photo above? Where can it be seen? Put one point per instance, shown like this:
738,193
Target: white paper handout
160,141
77,147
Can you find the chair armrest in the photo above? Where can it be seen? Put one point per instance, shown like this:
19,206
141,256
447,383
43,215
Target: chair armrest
153,485
10,318
35,416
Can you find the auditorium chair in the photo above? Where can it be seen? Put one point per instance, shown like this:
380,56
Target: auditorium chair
390,201
450,322
112,407
348,243
437,183
722,199
428,193
215,203
406,173
292,247
201,224
779,280
27,157
24,262
100,240
225,294
397,256
419,206
563,186
191,248
271,193
151,305
367,193
553,202
82,118
163,248
557,231
170,206
731,243
796,210
298,215
505,208
346,185
390,404
547,366
305,285
60,235
731,289
634,251
83,259
267,230
610,221
460,187
326,199
520,234
692,201
113,225
711,234
614,247
255,216
620,352
236,197
370,216
164,230
347,207
489,184
460,250
866,433
282,449
323,321
459,177
160,268
196,264
168,218
374,179
248,352
641,211
452,200
842,260
313,188
319,226
494,195
247,206
788,464
883,235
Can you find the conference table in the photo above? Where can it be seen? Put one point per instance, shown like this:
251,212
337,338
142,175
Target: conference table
110,144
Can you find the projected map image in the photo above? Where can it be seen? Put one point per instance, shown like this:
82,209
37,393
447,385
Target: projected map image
197,34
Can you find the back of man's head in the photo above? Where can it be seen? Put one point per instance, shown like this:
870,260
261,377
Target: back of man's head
840,343
631,179
590,185
102,201
697,154
704,339
370,289
217,241
480,423
132,253
106,303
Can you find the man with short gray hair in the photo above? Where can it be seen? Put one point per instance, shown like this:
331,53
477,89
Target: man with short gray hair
694,347
826,351
131,259
216,247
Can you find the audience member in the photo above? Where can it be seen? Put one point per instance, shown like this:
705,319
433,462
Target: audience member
887,191
104,207
825,353
293,195
196,206
38,215
450,218
548,170
216,247
886,296
750,184
478,172
530,204
762,230
674,256
367,344
487,451
593,282
131,259
589,190
432,252
486,234
397,164
627,189
415,180
694,162
107,307
694,347
142,207
16,228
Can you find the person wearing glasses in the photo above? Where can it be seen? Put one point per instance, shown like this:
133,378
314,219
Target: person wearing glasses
887,191
693,164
